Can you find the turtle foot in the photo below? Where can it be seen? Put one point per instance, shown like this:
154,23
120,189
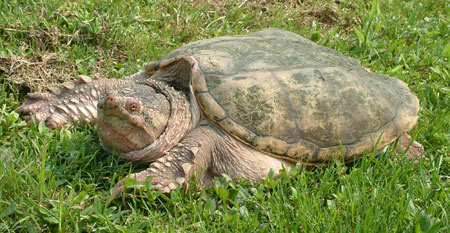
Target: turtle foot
414,150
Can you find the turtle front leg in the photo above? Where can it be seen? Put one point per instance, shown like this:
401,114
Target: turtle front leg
192,154
74,101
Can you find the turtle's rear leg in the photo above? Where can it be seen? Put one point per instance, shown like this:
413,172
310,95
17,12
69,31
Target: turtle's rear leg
412,148
71,102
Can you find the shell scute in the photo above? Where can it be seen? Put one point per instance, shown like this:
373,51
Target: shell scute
289,97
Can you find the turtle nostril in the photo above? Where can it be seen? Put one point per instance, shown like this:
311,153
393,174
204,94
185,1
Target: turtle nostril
110,100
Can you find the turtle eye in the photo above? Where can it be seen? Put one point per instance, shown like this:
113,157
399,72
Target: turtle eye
133,107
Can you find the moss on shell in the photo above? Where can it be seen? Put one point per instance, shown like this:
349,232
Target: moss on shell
252,110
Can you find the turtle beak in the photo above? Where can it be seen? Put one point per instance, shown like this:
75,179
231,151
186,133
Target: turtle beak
118,129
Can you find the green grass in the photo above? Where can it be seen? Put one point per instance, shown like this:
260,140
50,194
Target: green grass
60,181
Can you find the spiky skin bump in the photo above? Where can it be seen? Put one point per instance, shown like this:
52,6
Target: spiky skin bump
207,151
240,106
72,102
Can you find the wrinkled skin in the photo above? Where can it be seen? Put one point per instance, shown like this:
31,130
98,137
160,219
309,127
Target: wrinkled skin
143,118
204,147
126,123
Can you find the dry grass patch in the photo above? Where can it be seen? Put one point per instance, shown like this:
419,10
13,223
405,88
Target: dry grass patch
327,13
42,71
37,72
43,59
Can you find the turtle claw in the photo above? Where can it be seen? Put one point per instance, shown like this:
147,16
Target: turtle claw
55,121
42,107
165,184
119,188
34,106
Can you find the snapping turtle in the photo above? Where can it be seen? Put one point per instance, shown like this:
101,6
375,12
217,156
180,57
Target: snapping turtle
239,105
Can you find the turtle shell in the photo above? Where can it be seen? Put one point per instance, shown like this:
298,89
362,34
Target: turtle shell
287,96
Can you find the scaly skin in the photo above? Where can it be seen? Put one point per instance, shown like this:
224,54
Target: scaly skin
207,151
150,131
72,102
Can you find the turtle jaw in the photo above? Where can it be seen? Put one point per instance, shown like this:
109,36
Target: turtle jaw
118,129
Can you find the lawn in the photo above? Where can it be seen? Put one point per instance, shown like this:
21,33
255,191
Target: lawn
60,181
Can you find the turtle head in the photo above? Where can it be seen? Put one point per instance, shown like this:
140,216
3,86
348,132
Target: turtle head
132,118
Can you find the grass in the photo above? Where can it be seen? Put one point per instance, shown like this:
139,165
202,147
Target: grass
60,181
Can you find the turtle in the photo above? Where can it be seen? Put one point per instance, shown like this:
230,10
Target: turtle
244,106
